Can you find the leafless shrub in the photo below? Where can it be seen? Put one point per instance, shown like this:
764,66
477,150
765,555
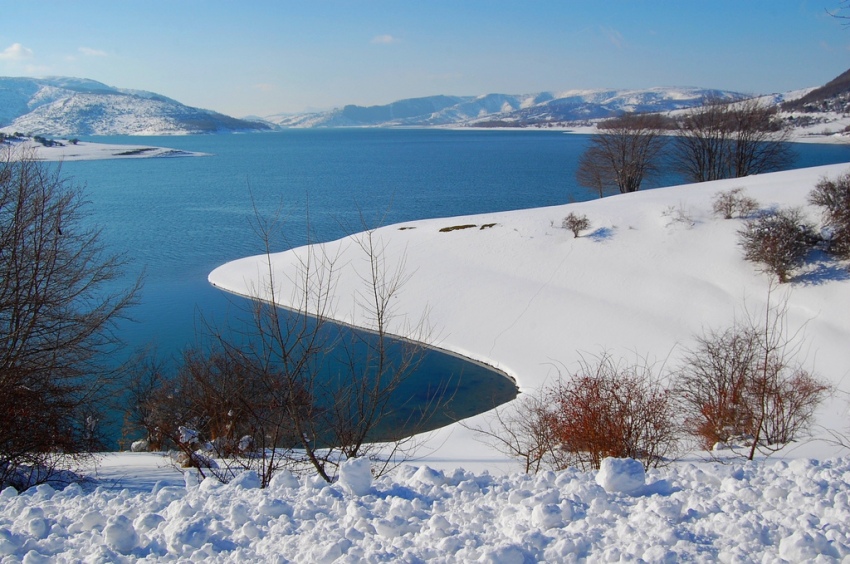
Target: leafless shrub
148,376
778,240
743,386
610,409
522,430
605,409
833,195
732,203
576,223
678,214
216,406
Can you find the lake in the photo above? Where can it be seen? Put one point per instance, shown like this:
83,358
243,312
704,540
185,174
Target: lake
179,218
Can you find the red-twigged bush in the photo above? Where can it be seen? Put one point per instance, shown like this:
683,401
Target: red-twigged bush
609,409
743,387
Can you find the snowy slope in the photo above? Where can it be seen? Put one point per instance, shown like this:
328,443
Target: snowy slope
72,106
526,109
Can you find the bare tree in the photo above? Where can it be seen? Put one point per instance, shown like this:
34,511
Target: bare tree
626,152
730,140
744,387
840,12
57,318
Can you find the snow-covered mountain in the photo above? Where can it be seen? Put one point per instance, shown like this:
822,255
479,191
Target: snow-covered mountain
75,106
507,110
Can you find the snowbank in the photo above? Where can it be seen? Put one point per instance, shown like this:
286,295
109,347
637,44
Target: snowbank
796,511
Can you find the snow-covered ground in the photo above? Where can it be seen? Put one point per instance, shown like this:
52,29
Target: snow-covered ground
833,129
796,511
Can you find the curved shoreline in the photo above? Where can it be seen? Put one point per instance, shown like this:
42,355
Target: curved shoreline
491,370
491,366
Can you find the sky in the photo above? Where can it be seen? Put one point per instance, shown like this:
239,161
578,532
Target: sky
266,57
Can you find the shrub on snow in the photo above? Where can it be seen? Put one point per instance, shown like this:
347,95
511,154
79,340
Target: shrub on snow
779,240
611,409
834,197
731,203
576,223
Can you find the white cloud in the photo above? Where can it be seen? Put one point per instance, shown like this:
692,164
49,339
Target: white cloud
264,87
89,52
384,39
15,52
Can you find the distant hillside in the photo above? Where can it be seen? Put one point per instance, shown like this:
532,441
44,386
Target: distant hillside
74,106
506,110
834,96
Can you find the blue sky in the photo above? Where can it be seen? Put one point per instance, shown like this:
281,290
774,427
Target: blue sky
264,57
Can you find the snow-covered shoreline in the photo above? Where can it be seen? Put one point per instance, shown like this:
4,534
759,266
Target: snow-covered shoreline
65,150
655,269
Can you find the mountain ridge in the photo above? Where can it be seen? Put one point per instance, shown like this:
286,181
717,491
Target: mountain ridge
517,110
79,106
68,106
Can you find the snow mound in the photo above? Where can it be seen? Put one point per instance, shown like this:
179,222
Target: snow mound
624,475
355,475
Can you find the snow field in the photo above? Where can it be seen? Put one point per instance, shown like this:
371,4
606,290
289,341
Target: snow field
752,512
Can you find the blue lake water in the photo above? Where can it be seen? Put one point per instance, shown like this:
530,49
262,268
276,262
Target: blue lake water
179,218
